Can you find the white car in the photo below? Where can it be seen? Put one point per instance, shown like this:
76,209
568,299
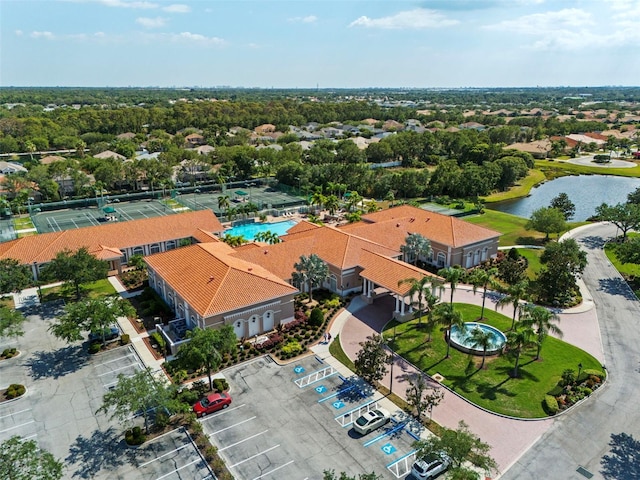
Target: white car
430,466
371,420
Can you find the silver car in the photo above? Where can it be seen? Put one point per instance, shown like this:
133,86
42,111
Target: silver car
430,466
371,420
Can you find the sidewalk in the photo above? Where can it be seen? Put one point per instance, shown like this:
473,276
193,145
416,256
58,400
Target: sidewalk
136,338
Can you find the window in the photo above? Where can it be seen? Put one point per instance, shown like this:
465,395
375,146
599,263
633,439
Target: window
138,251
154,248
441,259
171,245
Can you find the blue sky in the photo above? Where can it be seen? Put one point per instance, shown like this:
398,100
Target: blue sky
329,43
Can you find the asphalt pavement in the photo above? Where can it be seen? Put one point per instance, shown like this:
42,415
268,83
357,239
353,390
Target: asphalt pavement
599,439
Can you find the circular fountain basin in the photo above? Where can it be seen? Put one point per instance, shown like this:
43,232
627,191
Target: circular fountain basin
461,338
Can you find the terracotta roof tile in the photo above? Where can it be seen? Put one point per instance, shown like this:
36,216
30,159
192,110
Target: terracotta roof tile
44,247
387,272
213,281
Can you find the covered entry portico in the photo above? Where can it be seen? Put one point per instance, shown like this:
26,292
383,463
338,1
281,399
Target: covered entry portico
383,276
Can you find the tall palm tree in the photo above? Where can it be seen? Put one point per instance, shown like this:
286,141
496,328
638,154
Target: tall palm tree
449,316
420,287
354,199
515,293
318,199
268,237
517,341
540,320
332,204
415,246
482,278
453,276
479,338
312,271
224,202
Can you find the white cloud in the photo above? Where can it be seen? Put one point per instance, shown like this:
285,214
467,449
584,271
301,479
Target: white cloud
138,4
19,33
186,37
546,23
177,8
151,22
45,35
410,19
307,19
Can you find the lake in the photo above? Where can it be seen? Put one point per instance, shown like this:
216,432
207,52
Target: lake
586,192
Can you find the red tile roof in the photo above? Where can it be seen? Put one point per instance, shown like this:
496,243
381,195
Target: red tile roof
113,236
213,280
387,272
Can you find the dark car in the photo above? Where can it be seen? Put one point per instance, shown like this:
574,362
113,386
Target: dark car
109,333
212,403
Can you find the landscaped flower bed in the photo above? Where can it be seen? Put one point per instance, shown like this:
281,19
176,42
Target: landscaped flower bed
571,390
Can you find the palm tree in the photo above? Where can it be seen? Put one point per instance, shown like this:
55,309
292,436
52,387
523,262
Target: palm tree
479,338
224,202
421,287
371,206
517,341
267,237
332,204
415,246
448,316
312,271
539,319
452,275
354,199
515,293
482,278
233,240
318,199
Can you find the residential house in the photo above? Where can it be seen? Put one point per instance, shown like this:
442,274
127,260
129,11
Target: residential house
7,168
193,140
538,148
110,154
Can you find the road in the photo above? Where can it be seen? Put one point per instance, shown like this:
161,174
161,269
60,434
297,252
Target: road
599,439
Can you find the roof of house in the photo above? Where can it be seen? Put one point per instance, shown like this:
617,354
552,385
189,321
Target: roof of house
389,272
108,239
51,159
109,154
213,281
392,226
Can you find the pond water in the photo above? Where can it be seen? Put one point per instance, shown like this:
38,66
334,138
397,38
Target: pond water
585,191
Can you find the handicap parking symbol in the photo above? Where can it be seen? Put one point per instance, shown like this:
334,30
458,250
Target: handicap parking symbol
338,404
388,448
298,369
321,389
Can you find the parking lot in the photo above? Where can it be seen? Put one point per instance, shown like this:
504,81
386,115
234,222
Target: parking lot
65,386
295,421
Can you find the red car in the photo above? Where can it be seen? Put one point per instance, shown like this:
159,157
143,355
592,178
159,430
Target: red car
212,403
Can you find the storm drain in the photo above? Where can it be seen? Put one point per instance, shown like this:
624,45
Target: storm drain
584,472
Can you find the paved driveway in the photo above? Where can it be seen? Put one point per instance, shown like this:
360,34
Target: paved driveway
599,439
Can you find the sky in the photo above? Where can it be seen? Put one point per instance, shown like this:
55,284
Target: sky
325,44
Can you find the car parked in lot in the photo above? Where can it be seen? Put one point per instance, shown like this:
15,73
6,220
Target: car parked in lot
430,466
212,403
109,334
371,420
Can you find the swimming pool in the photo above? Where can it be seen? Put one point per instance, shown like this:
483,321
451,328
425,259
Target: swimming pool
250,230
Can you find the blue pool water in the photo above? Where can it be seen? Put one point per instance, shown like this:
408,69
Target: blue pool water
460,337
250,230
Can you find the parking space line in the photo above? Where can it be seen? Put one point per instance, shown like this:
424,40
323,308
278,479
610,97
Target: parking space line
115,360
111,384
342,419
232,426
165,454
116,370
17,426
254,456
406,460
226,410
339,392
178,469
15,413
242,441
164,435
315,377
412,452
271,471
388,433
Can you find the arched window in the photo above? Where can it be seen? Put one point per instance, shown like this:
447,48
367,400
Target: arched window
171,245
138,251
154,248
441,259
333,283
485,252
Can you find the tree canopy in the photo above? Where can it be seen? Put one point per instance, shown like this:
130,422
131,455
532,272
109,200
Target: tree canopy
11,322
14,276
567,207
372,359
23,460
625,216
75,268
562,263
547,220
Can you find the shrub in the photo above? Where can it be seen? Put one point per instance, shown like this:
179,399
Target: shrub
299,315
273,340
95,347
595,373
291,348
200,387
220,385
15,390
317,317
550,405
159,340
134,436
162,420
125,339
210,453
188,397
9,352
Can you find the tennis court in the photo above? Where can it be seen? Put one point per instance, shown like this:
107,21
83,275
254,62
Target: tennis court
7,231
58,220
264,197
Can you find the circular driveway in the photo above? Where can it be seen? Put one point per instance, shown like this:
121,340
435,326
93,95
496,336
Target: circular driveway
588,161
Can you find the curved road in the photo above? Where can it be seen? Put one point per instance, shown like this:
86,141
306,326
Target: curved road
600,439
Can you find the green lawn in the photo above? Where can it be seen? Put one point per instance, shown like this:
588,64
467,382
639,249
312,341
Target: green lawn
511,227
533,257
630,271
101,288
521,189
491,388
22,223
554,169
